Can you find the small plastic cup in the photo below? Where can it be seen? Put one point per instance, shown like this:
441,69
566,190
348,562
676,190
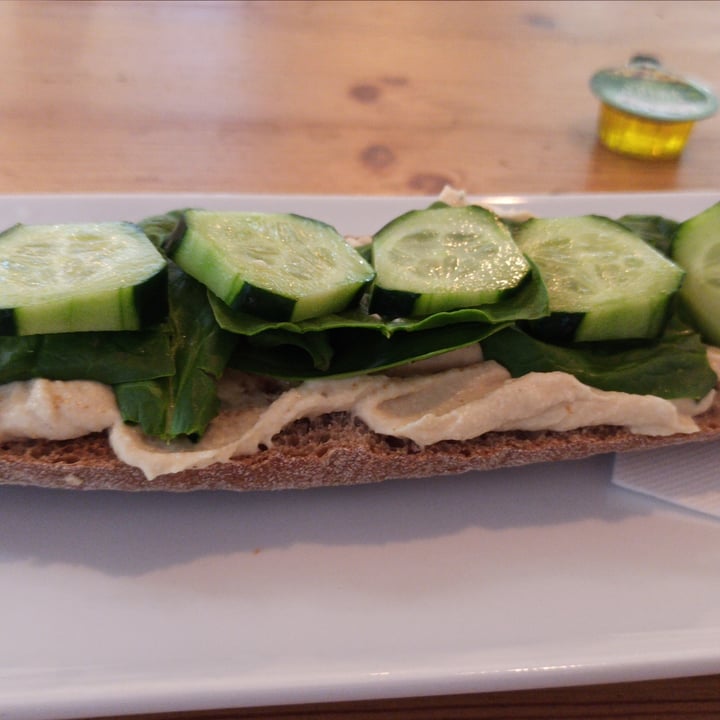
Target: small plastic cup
646,111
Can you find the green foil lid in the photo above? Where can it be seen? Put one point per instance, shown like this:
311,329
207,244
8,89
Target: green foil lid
644,88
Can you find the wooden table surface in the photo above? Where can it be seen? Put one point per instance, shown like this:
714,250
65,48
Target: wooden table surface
372,98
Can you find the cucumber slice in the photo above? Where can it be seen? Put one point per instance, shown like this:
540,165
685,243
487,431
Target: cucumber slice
275,266
604,282
79,277
696,248
444,258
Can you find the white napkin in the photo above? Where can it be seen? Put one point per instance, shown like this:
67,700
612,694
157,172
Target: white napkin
685,475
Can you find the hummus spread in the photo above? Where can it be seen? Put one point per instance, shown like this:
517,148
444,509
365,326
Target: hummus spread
439,403
55,410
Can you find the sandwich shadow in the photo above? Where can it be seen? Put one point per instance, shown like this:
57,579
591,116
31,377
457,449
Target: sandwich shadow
135,533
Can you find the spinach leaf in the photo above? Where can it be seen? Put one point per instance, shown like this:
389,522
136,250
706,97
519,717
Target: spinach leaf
183,403
313,347
354,342
106,357
355,351
674,366
653,229
160,228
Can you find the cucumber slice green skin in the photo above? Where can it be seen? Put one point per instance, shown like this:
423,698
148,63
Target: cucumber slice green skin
280,267
696,248
80,278
394,303
444,258
604,282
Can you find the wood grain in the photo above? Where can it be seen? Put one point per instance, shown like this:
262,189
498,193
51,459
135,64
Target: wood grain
335,97
370,98
695,698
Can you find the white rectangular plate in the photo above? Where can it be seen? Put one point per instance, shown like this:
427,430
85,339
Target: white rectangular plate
543,576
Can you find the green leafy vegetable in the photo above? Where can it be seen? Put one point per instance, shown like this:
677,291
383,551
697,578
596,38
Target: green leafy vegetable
653,229
184,402
159,228
675,366
106,357
355,342
352,351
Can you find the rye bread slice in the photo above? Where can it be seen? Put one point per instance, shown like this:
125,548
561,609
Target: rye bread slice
332,449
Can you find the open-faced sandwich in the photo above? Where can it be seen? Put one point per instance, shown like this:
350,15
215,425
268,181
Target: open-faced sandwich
253,351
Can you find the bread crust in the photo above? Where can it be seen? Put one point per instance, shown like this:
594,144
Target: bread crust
332,449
